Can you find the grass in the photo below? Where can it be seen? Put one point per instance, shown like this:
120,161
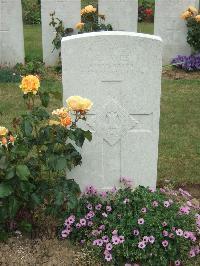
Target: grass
33,42
179,147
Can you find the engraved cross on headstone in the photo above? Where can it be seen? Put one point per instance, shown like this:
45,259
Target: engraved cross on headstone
112,123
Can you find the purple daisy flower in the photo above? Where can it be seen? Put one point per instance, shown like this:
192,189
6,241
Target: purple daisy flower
179,232
135,232
151,239
108,257
115,240
141,245
165,243
105,239
177,262
109,246
83,222
141,221
108,208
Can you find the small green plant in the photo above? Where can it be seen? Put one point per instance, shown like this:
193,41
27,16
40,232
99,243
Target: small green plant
35,157
34,67
138,227
192,17
60,31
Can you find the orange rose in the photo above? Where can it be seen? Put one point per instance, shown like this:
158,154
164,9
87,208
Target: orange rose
4,141
66,121
30,83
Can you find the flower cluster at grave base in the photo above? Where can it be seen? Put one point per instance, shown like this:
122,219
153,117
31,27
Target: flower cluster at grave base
137,227
192,17
187,63
91,21
35,157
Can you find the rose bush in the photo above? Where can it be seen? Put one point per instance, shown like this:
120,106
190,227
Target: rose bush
92,21
138,227
192,17
34,159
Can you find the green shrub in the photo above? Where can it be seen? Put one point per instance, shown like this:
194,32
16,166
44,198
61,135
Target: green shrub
31,11
140,227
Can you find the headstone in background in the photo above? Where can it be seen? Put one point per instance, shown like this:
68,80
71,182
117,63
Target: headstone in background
121,14
171,28
66,10
11,33
121,73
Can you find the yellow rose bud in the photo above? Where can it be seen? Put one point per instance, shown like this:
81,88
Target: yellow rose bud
30,83
79,25
186,14
3,131
193,10
197,18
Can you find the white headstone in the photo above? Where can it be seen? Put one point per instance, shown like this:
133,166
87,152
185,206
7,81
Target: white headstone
172,28
66,10
121,73
121,14
11,33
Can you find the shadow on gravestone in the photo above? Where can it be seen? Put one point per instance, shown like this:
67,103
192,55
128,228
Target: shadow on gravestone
121,73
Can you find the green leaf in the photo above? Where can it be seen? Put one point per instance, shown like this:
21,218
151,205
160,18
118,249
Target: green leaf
3,163
27,127
22,172
5,190
13,207
27,227
36,199
60,164
44,97
10,173
88,135
59,198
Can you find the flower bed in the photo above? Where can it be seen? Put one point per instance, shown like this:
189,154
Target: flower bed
140,227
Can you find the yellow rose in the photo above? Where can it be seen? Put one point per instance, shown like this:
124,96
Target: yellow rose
77,103
88,9
86,104
193,10
30,83
3,131
79,25
186,15
197,18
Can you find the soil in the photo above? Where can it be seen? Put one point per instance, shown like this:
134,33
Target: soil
170,72
20,251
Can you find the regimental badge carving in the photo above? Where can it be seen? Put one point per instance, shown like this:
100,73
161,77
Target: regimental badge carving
112,122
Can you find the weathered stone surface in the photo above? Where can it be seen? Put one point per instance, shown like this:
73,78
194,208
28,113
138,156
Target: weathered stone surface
121,14
171,28
121,73
11,33
66,10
